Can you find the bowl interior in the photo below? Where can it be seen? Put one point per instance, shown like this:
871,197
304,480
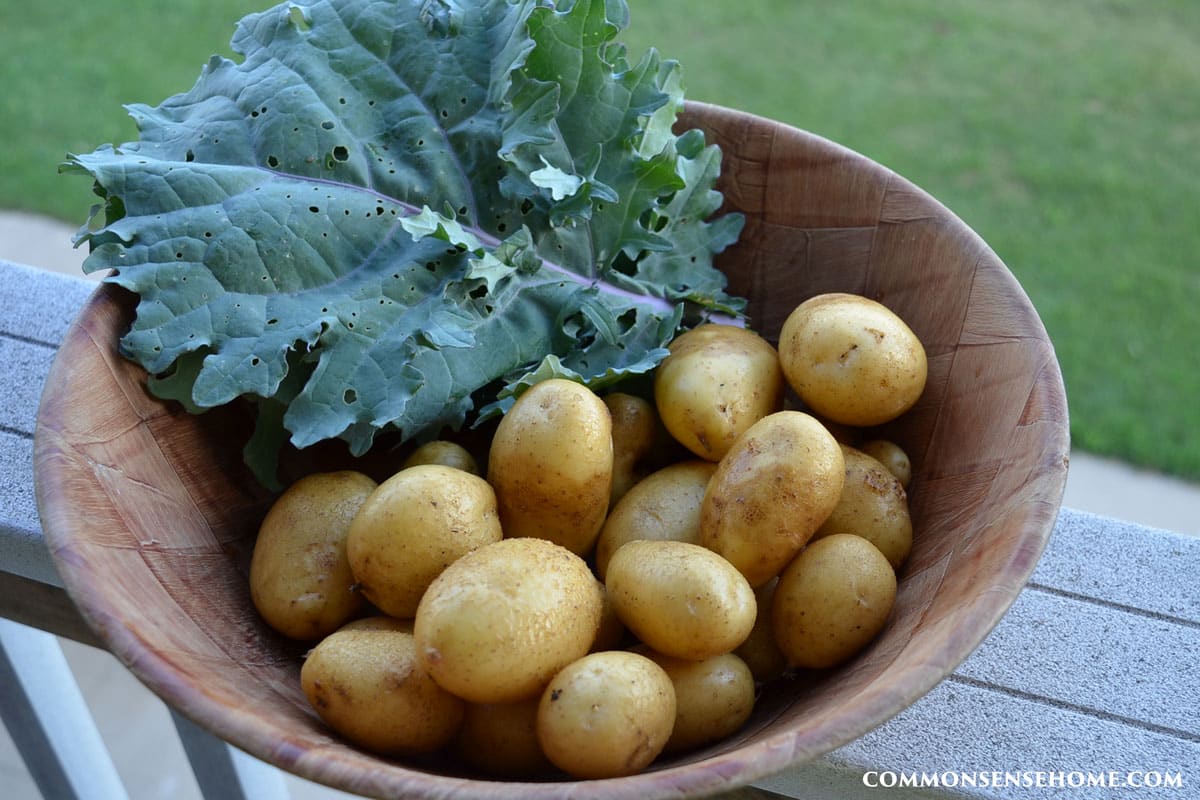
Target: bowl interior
150,514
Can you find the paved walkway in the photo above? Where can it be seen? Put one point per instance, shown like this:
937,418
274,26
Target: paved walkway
1098,485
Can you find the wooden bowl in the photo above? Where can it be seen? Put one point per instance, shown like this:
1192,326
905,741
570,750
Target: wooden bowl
150,514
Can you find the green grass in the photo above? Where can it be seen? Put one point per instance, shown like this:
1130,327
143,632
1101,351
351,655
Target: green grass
1067,134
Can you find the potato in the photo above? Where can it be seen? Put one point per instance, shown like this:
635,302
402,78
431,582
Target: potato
413,526
832,600
851,359
612,631
300,577
771,492
663,505
760,652
500,739
681,599
713,698
874,506
606,715
366,684
440,451
498,623
551,464
634,430
892,456
717,381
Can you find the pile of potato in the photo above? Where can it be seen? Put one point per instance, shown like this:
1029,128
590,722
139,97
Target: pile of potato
585,603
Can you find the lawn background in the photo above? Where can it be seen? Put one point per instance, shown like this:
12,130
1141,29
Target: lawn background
1066,133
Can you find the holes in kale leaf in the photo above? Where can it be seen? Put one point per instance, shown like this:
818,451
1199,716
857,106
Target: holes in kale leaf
526,206
478,293
314,209
342,101
272,162
189,156
349,397
341,153
255,361
328,125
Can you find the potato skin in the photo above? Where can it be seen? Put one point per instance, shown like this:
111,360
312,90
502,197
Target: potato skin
446,453
832,600
717,381
852,360
499,622
414,525
634,431
892,456
760,652
300,577
663,505
874,506
680,599
366,684
551,464
771,492
606,715
713,698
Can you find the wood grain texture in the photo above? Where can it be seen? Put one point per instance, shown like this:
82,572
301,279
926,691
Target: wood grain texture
150,515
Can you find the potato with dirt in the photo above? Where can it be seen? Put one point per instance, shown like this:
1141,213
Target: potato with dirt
832,601
414,525
680,599
606,715
772,490
717,381
551,464
852,360
365,683
663,505
498,623
300,576
874,506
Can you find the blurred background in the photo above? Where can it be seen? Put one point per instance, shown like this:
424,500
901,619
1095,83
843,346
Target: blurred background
1067,134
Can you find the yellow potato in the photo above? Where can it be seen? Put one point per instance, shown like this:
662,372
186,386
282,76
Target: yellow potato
680,599
771,492
499,622
365,683
832,600
851,359
500,739
612,631
300,577
634,429
606,715
874,506
663,505
713,698
760,652
413,526
717,381
440,451
892,456
551,464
